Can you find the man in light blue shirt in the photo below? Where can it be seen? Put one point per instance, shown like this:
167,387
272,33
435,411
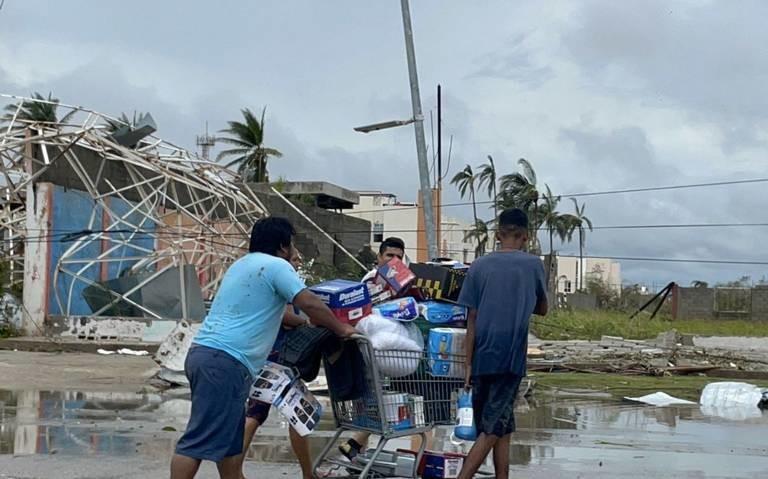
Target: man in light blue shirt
234,342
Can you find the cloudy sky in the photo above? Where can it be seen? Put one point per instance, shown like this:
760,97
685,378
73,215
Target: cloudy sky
598,95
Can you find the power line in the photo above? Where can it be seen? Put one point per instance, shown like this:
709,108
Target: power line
173,232
590,193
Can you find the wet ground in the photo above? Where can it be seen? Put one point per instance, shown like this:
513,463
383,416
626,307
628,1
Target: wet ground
77,434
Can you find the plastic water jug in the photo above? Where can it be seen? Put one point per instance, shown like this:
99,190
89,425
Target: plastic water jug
733,394
733,401
465,427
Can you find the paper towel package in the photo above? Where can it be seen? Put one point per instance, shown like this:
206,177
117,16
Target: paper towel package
445,347
441,313
403,309
349,301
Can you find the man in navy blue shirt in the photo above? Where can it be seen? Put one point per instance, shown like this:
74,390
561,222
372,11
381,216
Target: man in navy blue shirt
501,290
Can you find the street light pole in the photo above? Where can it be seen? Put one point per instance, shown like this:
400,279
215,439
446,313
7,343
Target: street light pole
421,144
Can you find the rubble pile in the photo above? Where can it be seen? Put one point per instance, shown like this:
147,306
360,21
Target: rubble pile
670,353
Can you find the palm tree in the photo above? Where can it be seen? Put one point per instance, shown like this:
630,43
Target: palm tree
556,223
580,222
123,120
487,175
479,233
249,151
519,190
36,110
465,182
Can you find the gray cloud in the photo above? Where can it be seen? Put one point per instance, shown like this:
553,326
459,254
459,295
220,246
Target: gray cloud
598,95
514,61
707,58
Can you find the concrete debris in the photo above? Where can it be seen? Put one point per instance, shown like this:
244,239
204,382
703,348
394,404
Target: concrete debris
10,311
172,352
667,354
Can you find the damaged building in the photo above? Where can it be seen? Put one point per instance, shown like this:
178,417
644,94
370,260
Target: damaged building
110,232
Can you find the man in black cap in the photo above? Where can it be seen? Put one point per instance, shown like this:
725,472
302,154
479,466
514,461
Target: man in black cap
501,291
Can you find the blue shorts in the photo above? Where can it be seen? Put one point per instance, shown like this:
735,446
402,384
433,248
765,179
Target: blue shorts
493,403
220,385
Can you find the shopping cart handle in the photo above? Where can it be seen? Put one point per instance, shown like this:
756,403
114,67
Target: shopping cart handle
358,337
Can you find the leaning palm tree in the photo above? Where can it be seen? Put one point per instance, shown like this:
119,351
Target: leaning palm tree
250,154
465,182
581,223
487,177
478,233
38,109
519,190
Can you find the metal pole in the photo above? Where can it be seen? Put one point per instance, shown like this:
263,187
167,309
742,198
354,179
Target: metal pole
421,144
439,171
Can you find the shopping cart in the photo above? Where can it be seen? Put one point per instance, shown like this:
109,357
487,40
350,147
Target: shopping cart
408,393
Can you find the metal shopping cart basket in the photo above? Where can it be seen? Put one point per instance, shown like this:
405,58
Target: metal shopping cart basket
408,393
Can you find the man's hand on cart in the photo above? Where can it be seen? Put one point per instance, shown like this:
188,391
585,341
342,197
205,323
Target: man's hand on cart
346,331
468,378
320,315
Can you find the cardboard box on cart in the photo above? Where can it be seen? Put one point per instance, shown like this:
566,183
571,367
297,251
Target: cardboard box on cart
438,281
395,275
349,301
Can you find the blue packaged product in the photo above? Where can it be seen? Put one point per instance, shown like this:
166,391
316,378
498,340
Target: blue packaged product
446,351
403,309
442,313
465,424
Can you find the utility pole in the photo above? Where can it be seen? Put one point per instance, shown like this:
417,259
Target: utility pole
439,170
421,144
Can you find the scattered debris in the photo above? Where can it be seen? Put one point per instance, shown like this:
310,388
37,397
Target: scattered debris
659,399
124,351
666,355
172,352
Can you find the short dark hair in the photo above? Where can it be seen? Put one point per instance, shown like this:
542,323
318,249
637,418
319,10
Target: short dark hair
270,234
391,242
513,221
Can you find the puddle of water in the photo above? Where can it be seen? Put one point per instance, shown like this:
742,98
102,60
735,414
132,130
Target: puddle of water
571,434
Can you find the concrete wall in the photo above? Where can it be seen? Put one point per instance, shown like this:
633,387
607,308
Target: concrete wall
760,302
352,233
581,301
695,303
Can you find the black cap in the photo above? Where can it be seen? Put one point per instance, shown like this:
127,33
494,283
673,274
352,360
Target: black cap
513,217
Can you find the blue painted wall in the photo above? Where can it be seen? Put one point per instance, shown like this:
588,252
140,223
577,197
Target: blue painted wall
71,211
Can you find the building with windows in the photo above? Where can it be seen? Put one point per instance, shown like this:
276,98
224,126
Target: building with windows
391,217
573,276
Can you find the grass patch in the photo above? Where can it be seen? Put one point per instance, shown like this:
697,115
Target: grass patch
685,387
595,324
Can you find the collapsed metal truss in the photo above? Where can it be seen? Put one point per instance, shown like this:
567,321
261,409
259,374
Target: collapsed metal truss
185,210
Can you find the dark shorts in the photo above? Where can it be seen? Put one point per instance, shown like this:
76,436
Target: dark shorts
259,410
493,403
220,385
